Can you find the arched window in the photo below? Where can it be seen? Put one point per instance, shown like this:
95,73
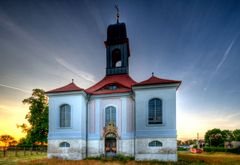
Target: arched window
65,115
110,115
116,58
64,144
155,111
155,143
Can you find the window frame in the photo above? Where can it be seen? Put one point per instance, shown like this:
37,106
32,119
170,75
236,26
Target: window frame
105,115
155,122
64,145
155,143
62,126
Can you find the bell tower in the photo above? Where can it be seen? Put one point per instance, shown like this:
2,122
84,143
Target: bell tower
117,48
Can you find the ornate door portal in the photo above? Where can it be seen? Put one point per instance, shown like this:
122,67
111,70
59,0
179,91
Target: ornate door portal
110,145
110,135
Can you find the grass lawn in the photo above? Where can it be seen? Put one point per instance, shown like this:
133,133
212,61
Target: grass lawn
185,158
12,159
210,158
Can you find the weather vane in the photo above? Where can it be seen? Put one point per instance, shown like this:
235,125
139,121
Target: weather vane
116,7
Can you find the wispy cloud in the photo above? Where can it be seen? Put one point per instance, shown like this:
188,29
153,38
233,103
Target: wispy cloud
225,55
74,70
15,88
224,58
11,26
233,115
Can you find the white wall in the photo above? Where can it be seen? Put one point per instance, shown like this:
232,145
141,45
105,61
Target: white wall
78,116
124,110
165,132
168,97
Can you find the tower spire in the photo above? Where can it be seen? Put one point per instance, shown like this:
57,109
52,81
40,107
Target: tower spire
117,16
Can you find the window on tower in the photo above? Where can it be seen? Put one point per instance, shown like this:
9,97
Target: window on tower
155,111
116,58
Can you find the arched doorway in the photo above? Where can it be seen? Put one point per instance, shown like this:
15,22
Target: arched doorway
110,145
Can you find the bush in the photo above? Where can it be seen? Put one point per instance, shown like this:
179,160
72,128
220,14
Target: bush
222,149
118,157
234,150
182,149
123,158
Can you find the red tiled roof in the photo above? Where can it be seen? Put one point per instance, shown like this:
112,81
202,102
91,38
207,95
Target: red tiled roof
68,88
155,80
124,80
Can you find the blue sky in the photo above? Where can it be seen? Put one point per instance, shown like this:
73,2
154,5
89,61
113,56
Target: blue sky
44,44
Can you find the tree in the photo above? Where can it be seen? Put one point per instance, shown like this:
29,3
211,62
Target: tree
190,141
7,139
214,137
179,142
37,117
236,134
227,136
24,142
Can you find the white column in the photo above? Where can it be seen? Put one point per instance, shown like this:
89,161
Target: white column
97,117
124,115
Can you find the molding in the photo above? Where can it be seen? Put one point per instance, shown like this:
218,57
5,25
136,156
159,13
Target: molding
156,134
110,95
94,137
174,85
67,93
66,135
126,136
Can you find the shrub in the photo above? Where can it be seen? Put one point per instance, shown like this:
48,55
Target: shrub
118,157
222,149
124,158
182,149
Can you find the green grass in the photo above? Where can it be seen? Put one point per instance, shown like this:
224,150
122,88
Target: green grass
185,158
12,159
210,158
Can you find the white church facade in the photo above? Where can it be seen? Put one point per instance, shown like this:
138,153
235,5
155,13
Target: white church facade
117,115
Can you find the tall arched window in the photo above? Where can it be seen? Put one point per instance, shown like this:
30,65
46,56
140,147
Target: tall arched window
155,111
116,58
110,115
65,115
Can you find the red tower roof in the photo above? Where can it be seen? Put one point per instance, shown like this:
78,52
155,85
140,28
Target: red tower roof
67,88
155,80
123,81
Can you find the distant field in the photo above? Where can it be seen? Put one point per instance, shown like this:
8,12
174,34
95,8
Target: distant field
185,158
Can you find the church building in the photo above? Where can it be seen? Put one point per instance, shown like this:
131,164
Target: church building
117,115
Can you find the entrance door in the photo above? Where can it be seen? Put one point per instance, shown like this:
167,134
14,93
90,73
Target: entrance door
110,146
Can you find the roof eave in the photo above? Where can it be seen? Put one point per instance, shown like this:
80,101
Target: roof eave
65,93
162,85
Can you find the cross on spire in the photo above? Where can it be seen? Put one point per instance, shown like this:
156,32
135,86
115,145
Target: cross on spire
116,7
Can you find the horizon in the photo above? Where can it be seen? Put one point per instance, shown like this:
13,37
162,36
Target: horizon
46,44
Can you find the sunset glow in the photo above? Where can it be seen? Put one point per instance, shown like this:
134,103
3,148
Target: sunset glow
46,44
